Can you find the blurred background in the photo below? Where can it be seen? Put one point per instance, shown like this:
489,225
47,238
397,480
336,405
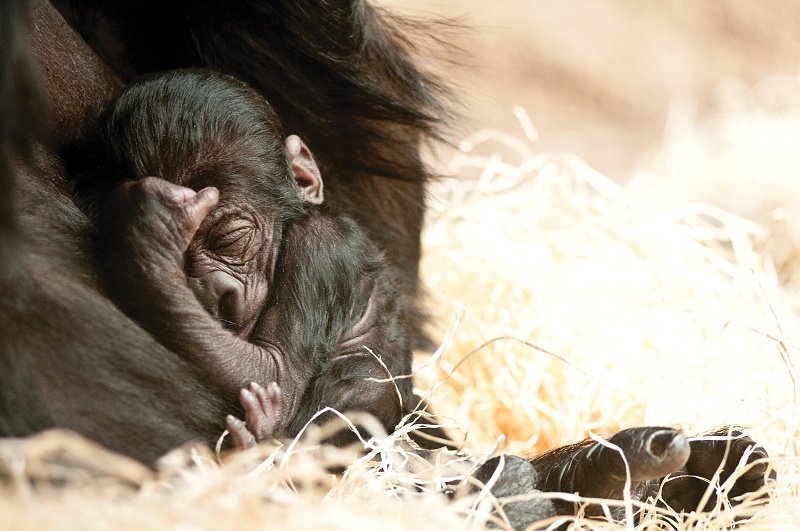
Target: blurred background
598,78
626,196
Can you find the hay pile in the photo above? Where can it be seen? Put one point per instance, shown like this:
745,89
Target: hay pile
621,306
631,315
567,305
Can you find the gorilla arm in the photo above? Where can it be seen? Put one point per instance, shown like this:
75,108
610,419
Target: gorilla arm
149,224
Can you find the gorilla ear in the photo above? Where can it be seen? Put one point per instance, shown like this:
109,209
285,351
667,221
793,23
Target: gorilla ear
304,168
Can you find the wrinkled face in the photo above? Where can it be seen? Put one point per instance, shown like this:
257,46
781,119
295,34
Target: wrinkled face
230,264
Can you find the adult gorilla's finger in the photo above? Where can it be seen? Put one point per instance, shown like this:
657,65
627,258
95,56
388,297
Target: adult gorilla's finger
598,470
651,452
708,454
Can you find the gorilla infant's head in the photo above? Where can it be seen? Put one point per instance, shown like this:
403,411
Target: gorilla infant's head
199,128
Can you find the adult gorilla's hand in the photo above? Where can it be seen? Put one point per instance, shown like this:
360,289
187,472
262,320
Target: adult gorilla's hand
713,459
651,454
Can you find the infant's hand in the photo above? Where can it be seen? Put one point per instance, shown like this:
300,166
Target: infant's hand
150,222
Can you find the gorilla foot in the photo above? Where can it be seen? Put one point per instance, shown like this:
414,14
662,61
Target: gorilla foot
262,407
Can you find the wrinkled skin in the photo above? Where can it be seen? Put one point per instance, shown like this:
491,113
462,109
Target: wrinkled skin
230,261
161,233
152,226
287,291
230,264
262,409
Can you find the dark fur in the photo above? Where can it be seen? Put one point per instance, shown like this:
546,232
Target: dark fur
221,133
329,274
199,128
69,357
340,74
19,97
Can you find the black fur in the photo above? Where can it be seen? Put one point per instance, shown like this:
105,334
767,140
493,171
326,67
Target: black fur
339,73
200,128
19,97
69,357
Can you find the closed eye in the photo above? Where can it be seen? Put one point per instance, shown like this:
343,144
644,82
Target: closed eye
233,241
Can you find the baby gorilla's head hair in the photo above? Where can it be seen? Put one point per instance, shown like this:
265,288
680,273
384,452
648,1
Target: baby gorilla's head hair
200,128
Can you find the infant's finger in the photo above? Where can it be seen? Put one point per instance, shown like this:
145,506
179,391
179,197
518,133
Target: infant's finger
180,194
241,436
262,396
274,394
165,190
199,205
168,192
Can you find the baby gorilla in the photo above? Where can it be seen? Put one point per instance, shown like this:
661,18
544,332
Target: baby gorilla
251,278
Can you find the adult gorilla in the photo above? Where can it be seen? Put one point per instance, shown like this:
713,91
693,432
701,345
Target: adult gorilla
341,76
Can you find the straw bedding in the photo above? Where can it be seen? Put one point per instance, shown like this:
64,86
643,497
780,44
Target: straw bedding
567,305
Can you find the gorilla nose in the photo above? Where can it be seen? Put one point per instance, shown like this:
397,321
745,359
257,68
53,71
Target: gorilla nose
221,294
